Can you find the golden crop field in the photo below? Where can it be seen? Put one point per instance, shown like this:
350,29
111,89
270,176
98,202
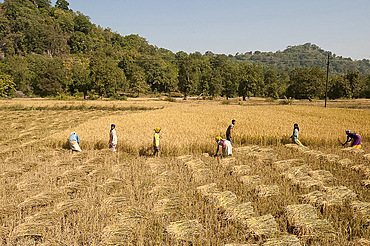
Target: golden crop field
270,192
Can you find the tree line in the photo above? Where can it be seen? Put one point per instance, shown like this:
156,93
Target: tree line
51,50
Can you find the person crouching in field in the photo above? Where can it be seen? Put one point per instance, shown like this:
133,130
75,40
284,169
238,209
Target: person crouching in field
294,137
355,138
156,138
226,147
229,132
113,138
74,142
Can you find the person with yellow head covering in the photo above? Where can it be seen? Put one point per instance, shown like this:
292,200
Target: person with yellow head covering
156,138
227,149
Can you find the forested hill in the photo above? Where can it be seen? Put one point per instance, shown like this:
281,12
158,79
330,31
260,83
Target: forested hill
53,51
307,55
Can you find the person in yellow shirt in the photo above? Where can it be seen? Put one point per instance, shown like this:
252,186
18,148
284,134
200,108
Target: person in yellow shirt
156,138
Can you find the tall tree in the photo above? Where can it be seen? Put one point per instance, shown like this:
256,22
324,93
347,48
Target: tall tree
62,4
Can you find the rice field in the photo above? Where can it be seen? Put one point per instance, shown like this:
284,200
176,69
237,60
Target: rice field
270,192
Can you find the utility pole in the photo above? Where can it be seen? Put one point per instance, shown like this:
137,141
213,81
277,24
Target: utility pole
327,79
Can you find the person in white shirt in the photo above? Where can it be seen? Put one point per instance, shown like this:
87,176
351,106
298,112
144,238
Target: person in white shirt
113,138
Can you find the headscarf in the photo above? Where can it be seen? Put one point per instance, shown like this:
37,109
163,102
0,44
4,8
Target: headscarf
157,129
113,125
218,139
348,131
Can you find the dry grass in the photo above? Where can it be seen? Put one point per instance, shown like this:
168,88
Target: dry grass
96,197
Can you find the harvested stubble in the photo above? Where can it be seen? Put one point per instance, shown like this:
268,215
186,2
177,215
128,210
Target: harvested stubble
4,231
361,242
242,150
186,230
294,146
240,212
168,206
250,180
267,190
312,153
297,172
322,175
202,175
353,150
156,166
286,164
345,162
116,202
224,200
362,209
62,163
263,226
241,170
226,162
42,199
286,240
206,190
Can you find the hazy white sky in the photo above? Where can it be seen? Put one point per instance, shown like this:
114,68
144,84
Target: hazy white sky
230,26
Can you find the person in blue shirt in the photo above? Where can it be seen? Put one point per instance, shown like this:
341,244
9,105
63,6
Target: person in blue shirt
294,137
74,142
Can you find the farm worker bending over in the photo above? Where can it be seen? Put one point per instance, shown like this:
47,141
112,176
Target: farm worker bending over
226,146
74,141
113,138
355,138
229,131
156,138
294,137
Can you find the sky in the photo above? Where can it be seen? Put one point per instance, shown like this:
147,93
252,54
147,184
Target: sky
231,26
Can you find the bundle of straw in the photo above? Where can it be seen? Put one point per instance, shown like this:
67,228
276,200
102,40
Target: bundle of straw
322,175
184,158
362,209
366,183
345,162
112,184
67,207
337,195
241,170
362,168
168,206
119,235
226,162
286,240
286,164
300,212
250,180
75,186
353,150
242,150
240,212
330,157
202,175
224,200
316,198
263,226
72,175
186,230
161,190
206,190
367,156
194,164
156,166
42,199
315,228
267,190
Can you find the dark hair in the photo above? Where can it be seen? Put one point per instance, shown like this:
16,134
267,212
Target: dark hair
233,121
296,126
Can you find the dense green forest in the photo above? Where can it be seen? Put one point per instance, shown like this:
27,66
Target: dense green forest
53,51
